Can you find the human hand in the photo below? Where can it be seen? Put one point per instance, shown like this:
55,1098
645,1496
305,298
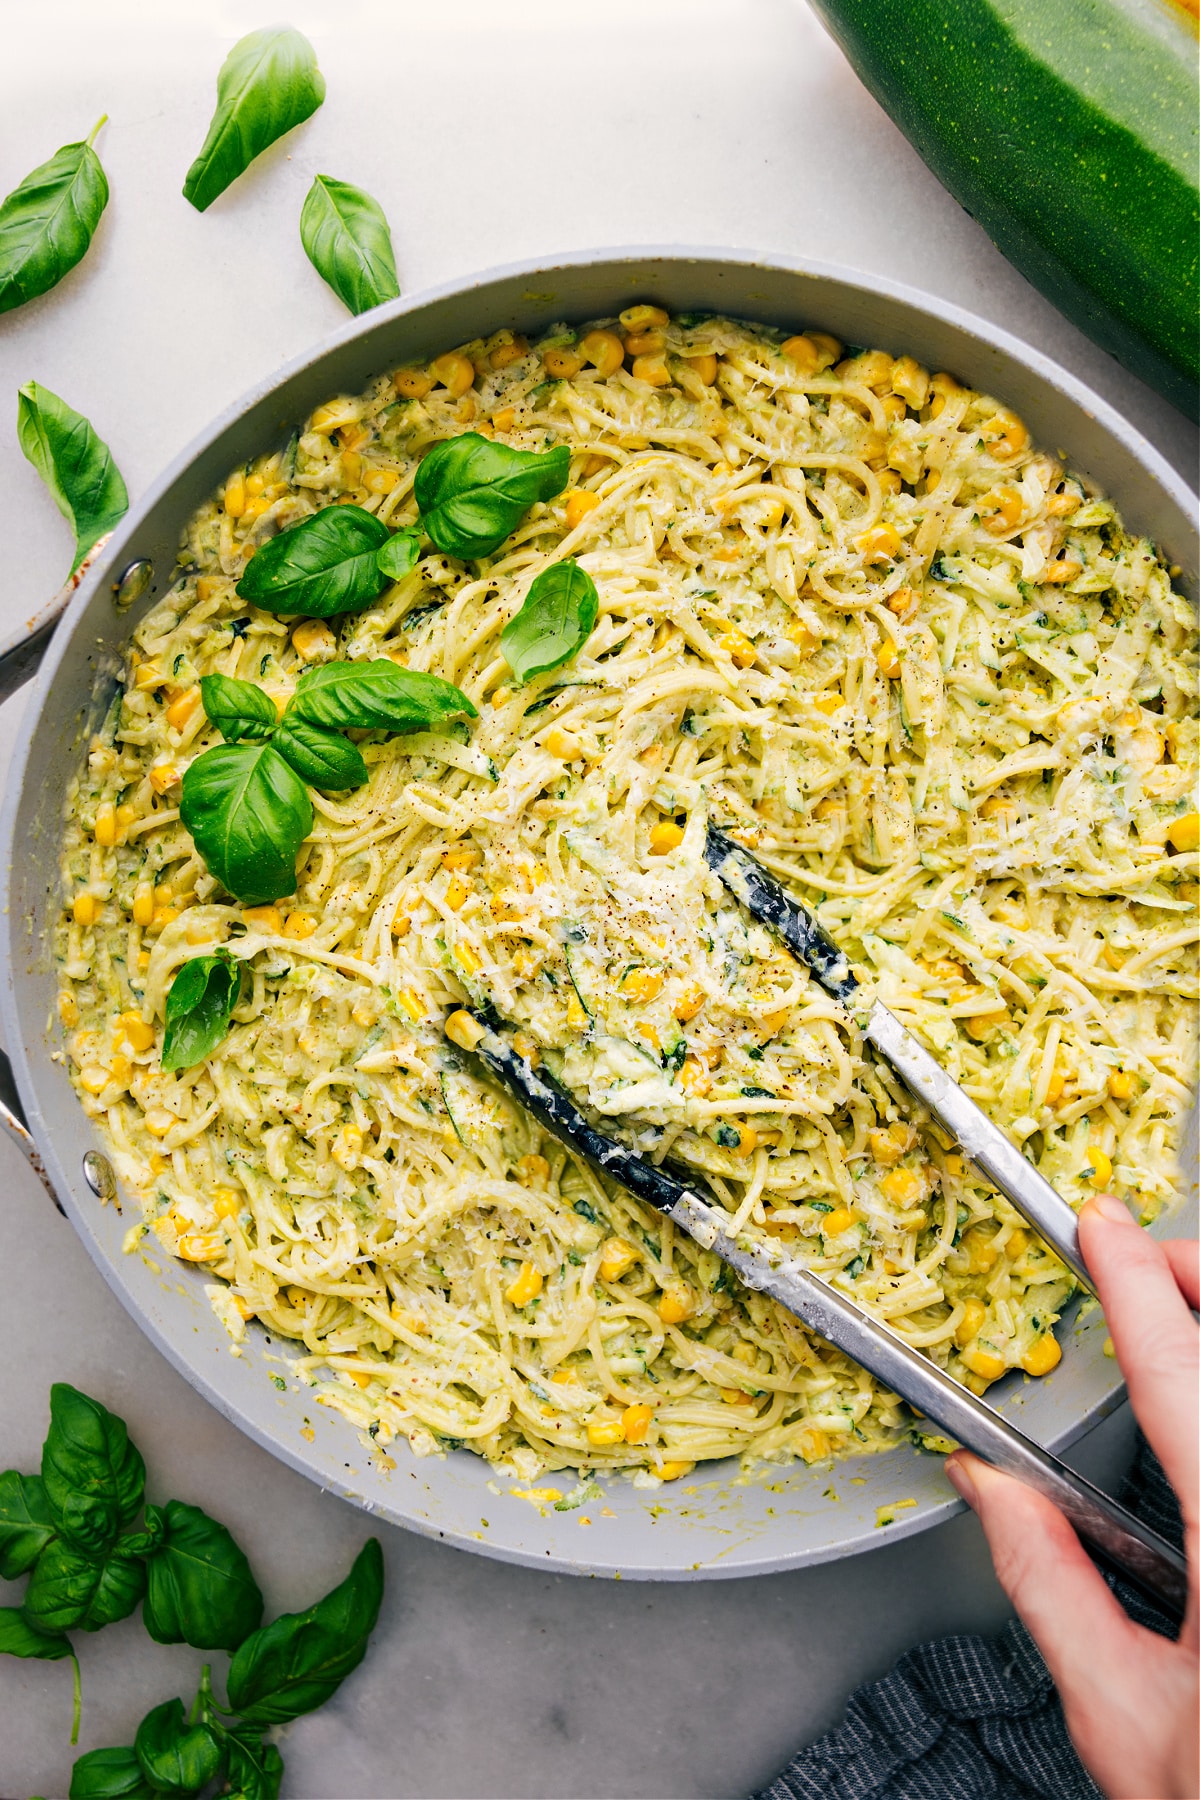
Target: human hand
1129,1696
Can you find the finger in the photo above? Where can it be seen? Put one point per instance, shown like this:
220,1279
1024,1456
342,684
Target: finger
1046,1573
1154,1336
1183,1254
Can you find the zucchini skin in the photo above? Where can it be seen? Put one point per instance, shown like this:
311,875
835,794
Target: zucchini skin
1068,128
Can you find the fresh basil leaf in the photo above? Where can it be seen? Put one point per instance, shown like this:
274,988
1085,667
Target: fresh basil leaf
175,1757
200,1003
19,1638
268,83
472,492
248,813
70,1590
46,224
255,1770
293,1665
238,709
111,1774
25,1523
94,1478
199,1588
74,463
376,696
320,757
323,566
346,239
554,623
399,555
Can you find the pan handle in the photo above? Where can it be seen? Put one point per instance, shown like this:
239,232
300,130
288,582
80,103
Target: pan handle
21,659
16,1127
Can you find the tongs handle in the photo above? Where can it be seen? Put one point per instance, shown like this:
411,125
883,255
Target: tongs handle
1113,1532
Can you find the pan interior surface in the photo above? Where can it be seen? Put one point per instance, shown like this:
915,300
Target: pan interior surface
719,1522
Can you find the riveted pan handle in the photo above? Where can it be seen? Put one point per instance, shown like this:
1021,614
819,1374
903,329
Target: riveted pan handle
21,659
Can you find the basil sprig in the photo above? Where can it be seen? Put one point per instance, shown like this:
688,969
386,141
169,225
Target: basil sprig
268,83
472,492
198,1589
199,1007
246,803
74,463
48,221
554,622
346,239
327,564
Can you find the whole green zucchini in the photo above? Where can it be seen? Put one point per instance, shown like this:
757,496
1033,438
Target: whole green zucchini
1068,128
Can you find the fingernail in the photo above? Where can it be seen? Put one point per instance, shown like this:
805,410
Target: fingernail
1110,1208
960,1480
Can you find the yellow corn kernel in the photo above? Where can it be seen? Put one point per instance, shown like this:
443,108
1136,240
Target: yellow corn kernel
1064,569
999,806
635,1421
664,837
143,903
511,351
840,1219
651,369
299,925
226,1203
739,648
135,1030
526,1287
955,1165
812,351
606,1431
467,959
969,1326
676,1304
456,373
1016,1244
346,1148
379,481
747,1142
814,1444
147,675
903,602
645,343
806,641
645,318
1099,1172
903,1187
264,918
207,586
200,1246
982,1025
533,1168
561,363
106,824
1002,510
704,365
460,858
616,1259
235,496
984,1363
981,1251
1043,1355
93,1078
312,639
885,1148
888,659
401,923
736,1396
456,892
689,1003
337,415
1005,435
68,1008
181,710
1184,832
162,916
880,544
505,419
604,350
158,1121
84,909
1054,1088
526,1049
641,985
577,1018
889,480
910,381
163,776
1121,1084
411,384
693,1077
561,744
579,505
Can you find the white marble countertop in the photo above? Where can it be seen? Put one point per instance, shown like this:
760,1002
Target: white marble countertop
490,134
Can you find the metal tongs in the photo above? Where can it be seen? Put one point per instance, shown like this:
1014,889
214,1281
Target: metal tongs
1113,1535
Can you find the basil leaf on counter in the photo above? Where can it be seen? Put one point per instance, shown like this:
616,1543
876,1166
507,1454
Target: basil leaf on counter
18,1638
238,709
25,1523
268,83
320,757
376,696
399,555
48,221
200,1003
93,1477
73,1590
323,566
294,1664
472,492
111,1774
175,1757
255,1769
346,239
199,1588
248,813
74,463
554,622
